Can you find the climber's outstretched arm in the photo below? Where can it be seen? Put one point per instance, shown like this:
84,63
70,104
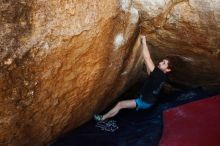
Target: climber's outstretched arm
146,54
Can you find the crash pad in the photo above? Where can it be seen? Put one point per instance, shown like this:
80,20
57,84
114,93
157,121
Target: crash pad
193,124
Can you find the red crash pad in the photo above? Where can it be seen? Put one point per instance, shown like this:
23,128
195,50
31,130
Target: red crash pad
193,124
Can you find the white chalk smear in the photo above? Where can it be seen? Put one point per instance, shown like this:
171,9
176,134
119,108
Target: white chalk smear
119,41
125,4
189,59
124,73
134,15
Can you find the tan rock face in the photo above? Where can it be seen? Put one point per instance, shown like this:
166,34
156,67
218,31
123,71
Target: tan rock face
62,61
190,28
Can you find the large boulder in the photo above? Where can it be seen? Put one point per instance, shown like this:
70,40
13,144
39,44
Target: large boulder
62,61
189,28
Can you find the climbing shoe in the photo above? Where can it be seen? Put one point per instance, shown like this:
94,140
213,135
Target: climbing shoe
97,117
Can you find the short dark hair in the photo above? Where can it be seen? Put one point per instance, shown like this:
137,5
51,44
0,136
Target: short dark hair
175,62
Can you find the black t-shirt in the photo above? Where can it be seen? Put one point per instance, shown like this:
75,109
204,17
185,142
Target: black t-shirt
153,85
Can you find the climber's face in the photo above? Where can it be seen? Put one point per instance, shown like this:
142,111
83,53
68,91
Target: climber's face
163,66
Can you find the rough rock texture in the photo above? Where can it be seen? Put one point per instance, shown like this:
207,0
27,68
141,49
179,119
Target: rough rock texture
190,28
62,61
